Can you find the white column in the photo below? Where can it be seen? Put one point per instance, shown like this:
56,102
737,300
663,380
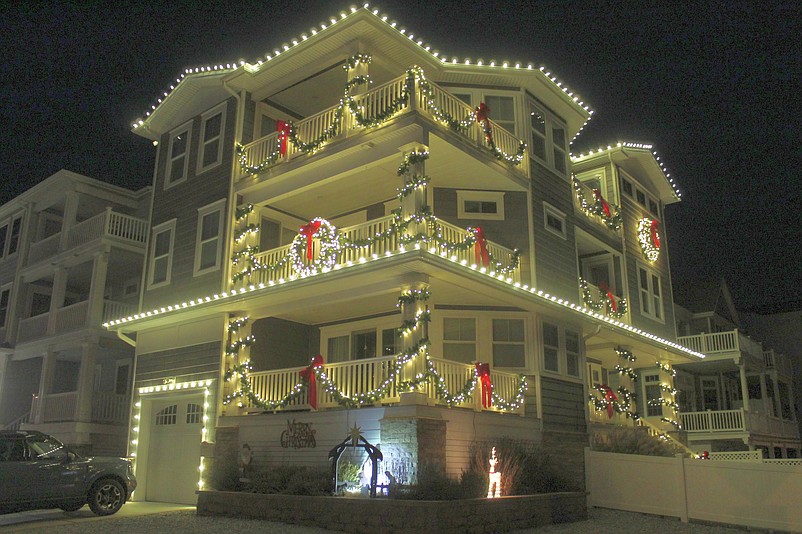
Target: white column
744,387
70,216
56,297
4,359
45,381
415,202
417,365
763,395
97,290
86,379
777,405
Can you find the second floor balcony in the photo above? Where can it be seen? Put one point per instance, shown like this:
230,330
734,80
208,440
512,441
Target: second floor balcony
720,423
69,318
724,343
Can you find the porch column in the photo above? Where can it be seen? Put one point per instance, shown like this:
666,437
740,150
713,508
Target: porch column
70,216
4,359
56,298
360,69
763,396
414,203
744,387
45,381
777,401
235,354
86,379
627,383
97,289
666,376
417,364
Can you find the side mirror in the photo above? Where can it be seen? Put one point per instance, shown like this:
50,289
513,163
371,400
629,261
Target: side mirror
69,457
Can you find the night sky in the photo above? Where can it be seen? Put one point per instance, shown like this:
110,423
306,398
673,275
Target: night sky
715,89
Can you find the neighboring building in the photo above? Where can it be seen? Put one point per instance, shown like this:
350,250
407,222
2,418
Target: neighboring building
71,257
742,396
454,244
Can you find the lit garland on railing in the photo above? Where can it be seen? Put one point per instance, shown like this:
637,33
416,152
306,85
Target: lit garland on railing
667,368
626,370
610,307
622,404
613,221
413,75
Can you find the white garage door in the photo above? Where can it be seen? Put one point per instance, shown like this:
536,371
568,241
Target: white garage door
174,451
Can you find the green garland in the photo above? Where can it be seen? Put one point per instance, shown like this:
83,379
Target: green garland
356,59
613,222
603,303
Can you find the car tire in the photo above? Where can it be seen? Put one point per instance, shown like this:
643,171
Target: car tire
106,497
74,507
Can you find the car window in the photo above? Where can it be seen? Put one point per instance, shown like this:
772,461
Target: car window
11,450
46,448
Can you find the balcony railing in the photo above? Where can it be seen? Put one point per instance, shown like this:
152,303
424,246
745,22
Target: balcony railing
43,249
772,360
69,318
33,327
599,297
109,224
107,407
449,232
372,103
720,342
738,421
115,310
362,376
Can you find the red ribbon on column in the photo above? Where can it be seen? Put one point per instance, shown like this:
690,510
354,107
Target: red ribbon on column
605,205
610,297
308,374
483,115
483,372
308,231
655,236
284,136
480,248
610,397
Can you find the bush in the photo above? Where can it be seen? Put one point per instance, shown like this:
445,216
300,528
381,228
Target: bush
223,473
293,480
632,441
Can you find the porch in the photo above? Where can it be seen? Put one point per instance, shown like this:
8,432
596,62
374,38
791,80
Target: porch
70,318
738,421
106,407
719,343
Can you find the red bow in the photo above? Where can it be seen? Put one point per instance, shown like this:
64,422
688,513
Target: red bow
308,374
655,236
483,115
605,205
610,297
480,248
309,230
284,128
483,372
610,397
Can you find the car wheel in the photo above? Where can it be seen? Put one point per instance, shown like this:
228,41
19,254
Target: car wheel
106,497
72,507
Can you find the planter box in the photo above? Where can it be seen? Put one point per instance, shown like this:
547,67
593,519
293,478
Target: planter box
398,516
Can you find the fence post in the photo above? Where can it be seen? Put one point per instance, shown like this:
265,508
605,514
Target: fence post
683,488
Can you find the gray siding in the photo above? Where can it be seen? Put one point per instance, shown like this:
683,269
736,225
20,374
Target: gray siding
181,202
281,344
555,258
564,405
198,362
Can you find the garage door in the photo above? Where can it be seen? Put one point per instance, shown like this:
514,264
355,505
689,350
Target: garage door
174,451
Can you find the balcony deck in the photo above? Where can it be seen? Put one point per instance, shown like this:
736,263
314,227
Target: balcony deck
735,422
68,318
107,407
722,343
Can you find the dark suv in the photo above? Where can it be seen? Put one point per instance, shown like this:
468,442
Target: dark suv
38,471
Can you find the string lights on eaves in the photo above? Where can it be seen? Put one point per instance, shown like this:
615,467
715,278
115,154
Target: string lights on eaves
440,56
641,146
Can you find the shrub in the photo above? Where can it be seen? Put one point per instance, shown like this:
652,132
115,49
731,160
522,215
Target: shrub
632,441
293,480
223,473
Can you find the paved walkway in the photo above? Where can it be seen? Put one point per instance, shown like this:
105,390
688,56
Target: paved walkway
148,517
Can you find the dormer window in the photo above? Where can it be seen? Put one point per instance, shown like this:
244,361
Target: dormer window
210,149
548,140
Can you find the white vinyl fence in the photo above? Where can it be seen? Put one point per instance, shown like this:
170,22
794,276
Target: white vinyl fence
747,493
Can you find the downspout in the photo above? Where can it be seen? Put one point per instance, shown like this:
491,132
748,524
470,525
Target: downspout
127,339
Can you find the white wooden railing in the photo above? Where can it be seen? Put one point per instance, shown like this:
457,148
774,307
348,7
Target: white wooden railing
596,293
32,327
58,406
449,232
46,248
376,101
362,376
772,360
738,421
72,317
114,310
18,422
108,407
108,224
718,342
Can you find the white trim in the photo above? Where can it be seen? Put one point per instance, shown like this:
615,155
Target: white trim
480,196
548,209
187,129
551,122
562,350
202,142
157,230
204,211
3,289
651,292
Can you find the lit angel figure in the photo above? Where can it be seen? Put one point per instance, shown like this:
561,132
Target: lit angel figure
494,478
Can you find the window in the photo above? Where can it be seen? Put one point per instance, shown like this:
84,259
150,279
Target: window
4,296
652,391
194,413
459,339
537,124
3,235
562,350
209,245
391,341
210,151
167,416
641,196
161,254
484,205
651,304
502,111
46,447
338,349
626,185
548,141
177,156
363,344
131,287
559,142
122,378
463,96
554,220
12,449
508,343
13,238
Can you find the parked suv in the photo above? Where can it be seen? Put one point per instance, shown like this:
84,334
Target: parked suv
38,471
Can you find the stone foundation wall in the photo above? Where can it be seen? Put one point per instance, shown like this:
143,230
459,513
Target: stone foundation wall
376,516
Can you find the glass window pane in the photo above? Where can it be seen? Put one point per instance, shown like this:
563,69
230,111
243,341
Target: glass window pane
572,364
213,127
460,352
179,145
208,255
551,335
363,344
644,280
571,341
559,160
162,246
551,359
391,341
210,225
210,152
159,270
538,122
508,355
338,349
558,137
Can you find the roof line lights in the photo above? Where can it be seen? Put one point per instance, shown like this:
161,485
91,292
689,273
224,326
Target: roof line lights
500,278
628,144
295,41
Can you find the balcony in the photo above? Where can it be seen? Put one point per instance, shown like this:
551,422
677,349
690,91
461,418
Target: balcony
778,362
69,318
738,422
596,208
361,376
109,224
448,232
722,343
339,121
596,299
107,407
